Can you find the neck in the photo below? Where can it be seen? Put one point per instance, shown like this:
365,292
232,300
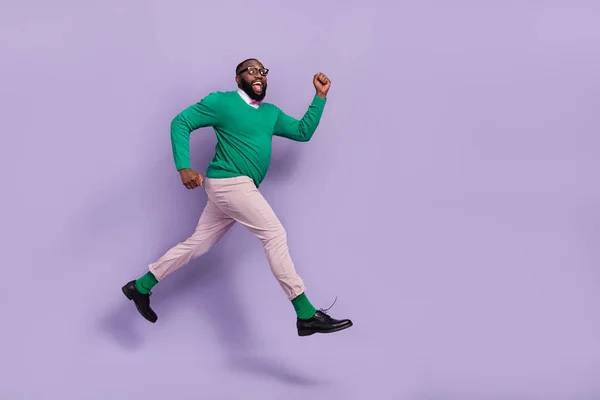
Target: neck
251,94
249,99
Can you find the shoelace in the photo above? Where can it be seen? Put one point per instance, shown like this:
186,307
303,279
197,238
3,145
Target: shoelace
324,311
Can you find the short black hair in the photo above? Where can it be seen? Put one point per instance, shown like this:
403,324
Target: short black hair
240,65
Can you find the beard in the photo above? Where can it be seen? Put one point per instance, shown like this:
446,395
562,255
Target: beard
247,87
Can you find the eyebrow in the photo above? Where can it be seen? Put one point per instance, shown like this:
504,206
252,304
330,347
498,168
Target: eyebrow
251,65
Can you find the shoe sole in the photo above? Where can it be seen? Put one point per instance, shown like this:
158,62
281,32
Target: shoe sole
309,332
130,297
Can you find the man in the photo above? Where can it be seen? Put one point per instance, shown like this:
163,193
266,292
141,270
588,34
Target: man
244,126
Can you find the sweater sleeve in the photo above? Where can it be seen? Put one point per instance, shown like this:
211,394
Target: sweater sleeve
301,130
199,115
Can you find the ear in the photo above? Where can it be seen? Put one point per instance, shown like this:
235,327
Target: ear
237,80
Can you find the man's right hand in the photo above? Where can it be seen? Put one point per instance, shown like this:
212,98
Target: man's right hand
190,178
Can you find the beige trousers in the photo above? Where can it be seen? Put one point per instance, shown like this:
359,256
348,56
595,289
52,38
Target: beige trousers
235,200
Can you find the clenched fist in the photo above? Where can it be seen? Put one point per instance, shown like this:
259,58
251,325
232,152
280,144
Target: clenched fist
190,178
322,84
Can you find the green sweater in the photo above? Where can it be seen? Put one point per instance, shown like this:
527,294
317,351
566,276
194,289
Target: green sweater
244,133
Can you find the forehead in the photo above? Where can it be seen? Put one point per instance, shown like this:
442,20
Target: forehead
253,63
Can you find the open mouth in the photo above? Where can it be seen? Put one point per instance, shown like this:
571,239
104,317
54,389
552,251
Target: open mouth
257,86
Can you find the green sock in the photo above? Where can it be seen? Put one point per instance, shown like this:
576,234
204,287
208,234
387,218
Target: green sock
146,283
304,308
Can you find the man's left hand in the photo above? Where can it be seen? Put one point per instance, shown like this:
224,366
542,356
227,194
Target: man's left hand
322,84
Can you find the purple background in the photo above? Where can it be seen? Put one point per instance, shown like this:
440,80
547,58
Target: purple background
450,200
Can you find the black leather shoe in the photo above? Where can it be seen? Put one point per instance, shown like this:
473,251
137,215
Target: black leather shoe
321,323
141,301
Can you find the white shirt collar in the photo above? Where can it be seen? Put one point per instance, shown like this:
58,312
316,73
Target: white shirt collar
246,98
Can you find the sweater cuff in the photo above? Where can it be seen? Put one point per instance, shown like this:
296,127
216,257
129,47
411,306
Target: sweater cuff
319,101
180,164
